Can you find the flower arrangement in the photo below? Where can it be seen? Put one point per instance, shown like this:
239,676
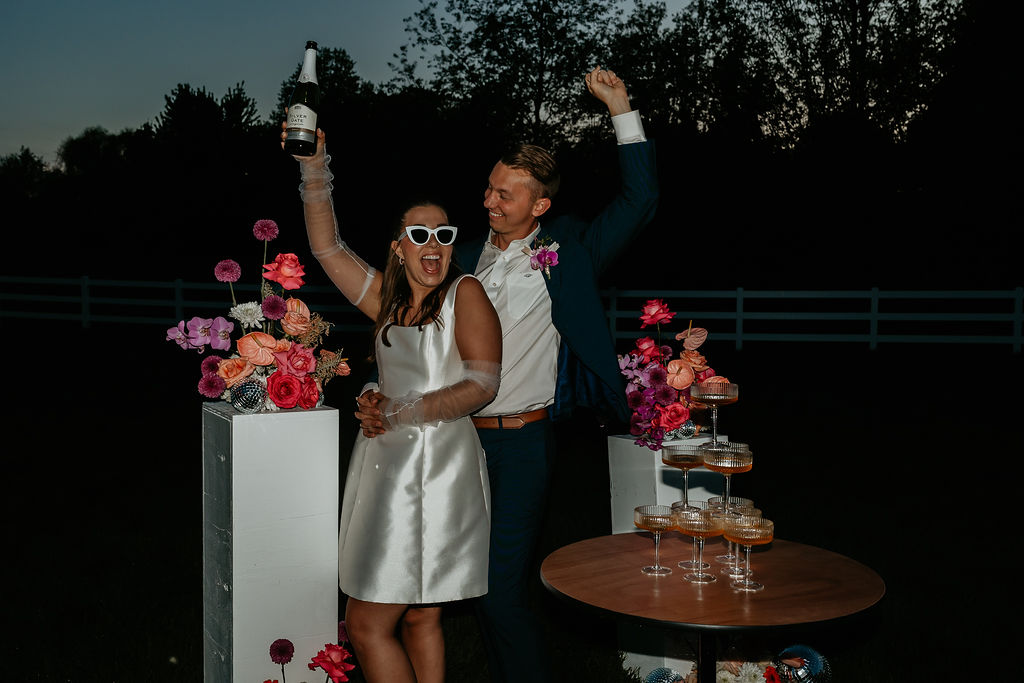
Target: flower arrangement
331,659
658,388
276,356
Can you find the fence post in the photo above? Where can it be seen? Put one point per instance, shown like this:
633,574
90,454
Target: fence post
873,344
739,318
84,285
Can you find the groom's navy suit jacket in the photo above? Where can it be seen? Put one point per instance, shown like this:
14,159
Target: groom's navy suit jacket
588,372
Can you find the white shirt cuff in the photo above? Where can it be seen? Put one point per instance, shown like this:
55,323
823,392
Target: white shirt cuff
628,127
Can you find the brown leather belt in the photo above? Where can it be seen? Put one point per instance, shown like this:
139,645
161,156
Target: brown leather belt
510,421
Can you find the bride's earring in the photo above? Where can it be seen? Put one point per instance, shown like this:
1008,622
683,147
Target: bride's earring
401,261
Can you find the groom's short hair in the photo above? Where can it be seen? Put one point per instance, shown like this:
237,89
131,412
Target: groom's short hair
539,164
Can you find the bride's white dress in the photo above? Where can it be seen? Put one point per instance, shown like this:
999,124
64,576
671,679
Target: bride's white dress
415,516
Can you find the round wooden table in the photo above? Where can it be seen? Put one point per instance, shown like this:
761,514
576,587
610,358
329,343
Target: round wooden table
803,585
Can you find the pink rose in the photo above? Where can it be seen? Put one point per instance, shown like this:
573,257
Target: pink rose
286,271
672,415
655,311
296,318
309,394
284,389
695,359
297,360
332,660
647,349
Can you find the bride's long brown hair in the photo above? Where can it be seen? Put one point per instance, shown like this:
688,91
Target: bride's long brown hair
395,291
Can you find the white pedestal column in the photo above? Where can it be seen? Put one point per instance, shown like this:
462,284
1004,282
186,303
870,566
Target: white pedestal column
638,477
270,539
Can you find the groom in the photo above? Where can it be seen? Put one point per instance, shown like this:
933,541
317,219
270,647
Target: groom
558,352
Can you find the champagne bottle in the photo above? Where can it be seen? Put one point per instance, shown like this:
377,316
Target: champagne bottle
300,133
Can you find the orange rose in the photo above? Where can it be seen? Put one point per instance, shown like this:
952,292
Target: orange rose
695,359
258,348
680,374
234,370
296,318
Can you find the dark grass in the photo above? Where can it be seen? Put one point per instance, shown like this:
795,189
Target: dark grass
886,456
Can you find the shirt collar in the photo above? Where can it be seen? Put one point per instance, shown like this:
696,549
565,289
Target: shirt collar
515,246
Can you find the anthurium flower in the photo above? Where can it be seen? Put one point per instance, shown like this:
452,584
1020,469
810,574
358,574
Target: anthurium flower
655,311
296,318
258,348
286,271
680,374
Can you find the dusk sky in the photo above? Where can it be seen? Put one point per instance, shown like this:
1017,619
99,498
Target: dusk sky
67,64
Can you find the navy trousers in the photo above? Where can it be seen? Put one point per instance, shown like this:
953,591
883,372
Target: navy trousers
519,471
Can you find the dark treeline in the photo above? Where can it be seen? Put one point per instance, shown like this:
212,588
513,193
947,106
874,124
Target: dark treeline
804,144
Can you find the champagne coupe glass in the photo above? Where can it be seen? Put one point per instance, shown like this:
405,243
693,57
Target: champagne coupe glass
736,505
747,517
684,457
727,459
759,532
699,525
684,508
654,518
715,394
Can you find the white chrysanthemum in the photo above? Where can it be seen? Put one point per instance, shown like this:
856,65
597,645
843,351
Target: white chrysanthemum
249,314
723,676
750,673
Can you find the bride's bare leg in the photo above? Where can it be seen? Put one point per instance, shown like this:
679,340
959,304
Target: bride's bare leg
372,627
424,643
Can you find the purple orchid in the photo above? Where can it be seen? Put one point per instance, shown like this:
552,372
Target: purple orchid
199,332
220,333
178,335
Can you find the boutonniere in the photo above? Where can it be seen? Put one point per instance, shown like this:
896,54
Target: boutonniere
543,255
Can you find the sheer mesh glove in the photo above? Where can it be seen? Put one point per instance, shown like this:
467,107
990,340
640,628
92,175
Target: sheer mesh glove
476,388
347,271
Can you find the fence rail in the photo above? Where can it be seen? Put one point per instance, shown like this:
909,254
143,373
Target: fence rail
868,316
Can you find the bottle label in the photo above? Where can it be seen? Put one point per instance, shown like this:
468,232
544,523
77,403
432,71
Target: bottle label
301,123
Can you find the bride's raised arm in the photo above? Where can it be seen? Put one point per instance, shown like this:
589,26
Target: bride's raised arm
357,280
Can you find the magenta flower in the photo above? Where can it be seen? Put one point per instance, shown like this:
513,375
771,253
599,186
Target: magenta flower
212,385
210,365
274,307
653,374
265,229
220,334
227,271
178,335
281,651
199,332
